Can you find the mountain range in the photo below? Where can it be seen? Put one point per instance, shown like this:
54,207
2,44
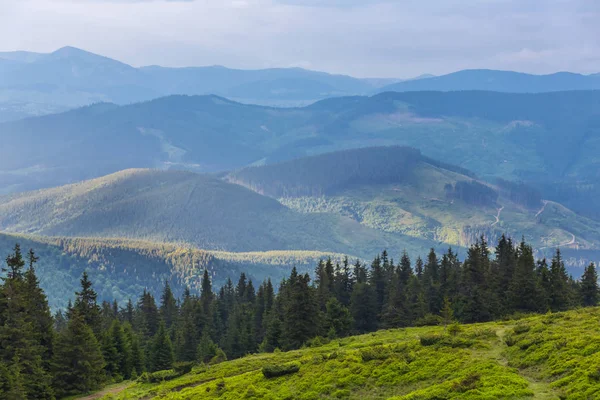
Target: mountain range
43,83
548,140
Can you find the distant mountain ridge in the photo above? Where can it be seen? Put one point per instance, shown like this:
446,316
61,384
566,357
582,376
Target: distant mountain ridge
500,81
37,84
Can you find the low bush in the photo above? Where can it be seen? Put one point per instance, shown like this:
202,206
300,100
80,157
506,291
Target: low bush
375,353
274,371
183,367
430,340
429,320
158,376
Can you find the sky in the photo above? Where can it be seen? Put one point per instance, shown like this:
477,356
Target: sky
363,38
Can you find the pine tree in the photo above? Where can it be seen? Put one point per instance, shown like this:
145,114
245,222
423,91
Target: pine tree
363,307
161,355
21,347
523,291
168,306
300,312
338,318
377,280
78,362
560,291
207,349
447,312
472,305
149,317
589,291
86,305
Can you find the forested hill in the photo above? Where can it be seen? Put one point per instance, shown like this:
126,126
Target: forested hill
185,207
326,173
547,140
122,269
398,190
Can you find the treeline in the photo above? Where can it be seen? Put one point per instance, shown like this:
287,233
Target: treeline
321,174
92,343
472,192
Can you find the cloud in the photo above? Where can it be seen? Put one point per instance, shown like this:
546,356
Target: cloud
360,37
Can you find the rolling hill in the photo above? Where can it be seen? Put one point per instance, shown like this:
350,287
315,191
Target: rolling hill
551,356
398,190
549,140
192,209
499,81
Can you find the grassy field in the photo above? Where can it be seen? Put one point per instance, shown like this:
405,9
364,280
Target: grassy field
552,356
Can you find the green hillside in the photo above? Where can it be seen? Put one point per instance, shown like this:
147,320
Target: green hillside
552,356
184,207
397,190
121,269
548,140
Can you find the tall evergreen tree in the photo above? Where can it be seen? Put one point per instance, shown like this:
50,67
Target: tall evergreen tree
300,311
560,291
523,291
78,362
589,291
161,354
86,304
168,306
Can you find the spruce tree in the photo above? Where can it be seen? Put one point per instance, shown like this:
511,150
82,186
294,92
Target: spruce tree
300,312
161,355
168,306
589,291
523,291
339,320
78,362
560,291
86,305
363,307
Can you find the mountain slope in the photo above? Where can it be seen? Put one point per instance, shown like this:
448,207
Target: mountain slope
185,207
499,81
396,189
502,360
548,140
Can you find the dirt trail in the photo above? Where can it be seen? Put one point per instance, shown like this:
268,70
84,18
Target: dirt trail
114,389
497,216
541,389
542,209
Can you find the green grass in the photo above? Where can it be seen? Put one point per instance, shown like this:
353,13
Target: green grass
549,357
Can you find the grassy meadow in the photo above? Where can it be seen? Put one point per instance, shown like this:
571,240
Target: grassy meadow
551,356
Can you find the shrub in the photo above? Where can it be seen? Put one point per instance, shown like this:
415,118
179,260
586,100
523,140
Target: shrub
429,320
273,371
183,367
219,357
467,383
430,340
375,353
454,329
158,376
521,328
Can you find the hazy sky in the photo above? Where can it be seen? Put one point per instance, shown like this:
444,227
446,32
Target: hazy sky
366,38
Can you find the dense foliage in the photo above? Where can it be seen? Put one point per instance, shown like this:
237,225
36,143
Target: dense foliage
91,343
